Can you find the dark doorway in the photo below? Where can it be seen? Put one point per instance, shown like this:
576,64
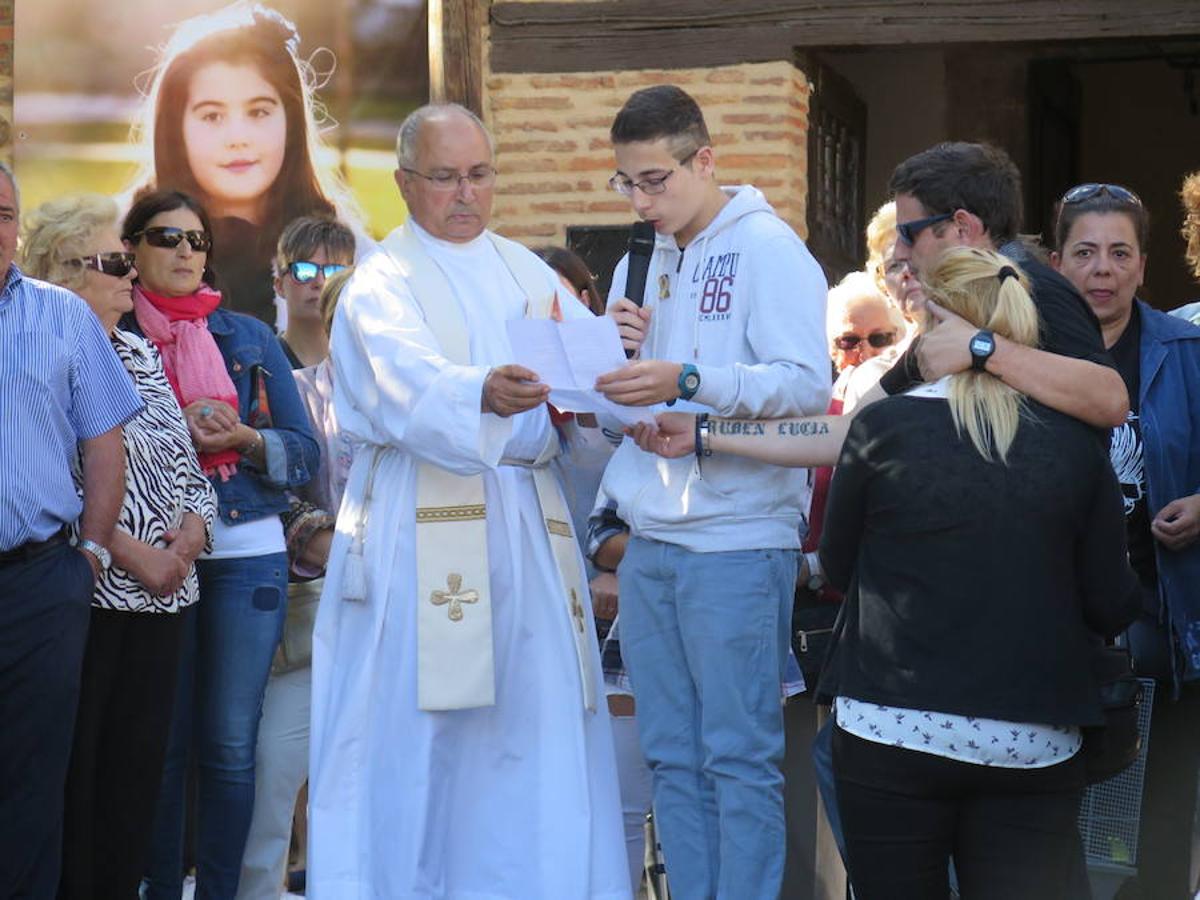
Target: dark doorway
1132,120
837,150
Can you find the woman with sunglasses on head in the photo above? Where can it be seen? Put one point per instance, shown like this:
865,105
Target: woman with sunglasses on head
230,118
247,421
1100,234
143,601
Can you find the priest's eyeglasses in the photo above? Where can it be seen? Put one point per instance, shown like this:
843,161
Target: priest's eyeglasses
447,180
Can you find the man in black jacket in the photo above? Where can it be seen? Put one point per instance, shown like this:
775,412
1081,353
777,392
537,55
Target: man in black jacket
961,194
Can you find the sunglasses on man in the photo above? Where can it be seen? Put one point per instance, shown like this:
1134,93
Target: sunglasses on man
304,271
909,231
117,265
169,238
877,339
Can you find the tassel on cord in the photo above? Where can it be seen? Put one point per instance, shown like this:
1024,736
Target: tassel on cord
354,575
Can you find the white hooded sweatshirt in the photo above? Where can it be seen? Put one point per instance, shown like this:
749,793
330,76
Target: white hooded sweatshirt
744,302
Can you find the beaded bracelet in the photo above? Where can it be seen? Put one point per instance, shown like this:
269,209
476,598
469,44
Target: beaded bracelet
703,438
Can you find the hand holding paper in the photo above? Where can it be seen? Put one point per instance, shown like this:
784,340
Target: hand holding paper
569,357
642,383
509,390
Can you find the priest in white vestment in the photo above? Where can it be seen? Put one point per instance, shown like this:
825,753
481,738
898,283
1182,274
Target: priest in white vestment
435,775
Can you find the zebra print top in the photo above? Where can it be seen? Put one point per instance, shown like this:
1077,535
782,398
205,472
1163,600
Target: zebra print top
163,480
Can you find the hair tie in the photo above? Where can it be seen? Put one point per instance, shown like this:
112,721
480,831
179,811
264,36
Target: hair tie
1006,272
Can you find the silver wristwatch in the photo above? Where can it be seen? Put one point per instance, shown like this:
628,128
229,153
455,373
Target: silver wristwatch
100,552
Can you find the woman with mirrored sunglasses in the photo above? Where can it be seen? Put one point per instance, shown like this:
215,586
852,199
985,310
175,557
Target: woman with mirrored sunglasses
230,118
1100,233
255,444
281,767
311,250
144,600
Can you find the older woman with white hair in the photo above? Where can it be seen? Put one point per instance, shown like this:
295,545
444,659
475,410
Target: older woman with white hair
132,656
862,324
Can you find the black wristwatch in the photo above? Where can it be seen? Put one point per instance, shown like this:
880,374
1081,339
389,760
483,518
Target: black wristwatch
983,345
689,381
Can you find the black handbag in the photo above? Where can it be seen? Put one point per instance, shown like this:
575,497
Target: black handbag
1111,748
812,632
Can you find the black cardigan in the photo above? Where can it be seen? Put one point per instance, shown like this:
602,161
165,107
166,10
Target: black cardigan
974,587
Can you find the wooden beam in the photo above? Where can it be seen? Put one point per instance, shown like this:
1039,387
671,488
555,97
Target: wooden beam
619,34
456,52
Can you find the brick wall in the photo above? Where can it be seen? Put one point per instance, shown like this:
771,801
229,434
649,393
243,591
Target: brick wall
555,159
6,80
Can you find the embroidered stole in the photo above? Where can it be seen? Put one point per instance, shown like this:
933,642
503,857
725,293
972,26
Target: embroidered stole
455,666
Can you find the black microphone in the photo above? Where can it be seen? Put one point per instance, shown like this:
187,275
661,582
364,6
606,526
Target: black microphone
641,248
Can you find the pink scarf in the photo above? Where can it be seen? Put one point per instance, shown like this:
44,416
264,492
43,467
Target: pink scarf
178,326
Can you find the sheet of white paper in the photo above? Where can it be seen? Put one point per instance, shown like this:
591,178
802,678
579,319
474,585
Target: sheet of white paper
577,401
537,345
570,356
593,348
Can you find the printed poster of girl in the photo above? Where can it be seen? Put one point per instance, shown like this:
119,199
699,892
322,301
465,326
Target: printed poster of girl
228,111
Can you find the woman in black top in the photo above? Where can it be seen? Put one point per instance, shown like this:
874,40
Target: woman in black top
979,540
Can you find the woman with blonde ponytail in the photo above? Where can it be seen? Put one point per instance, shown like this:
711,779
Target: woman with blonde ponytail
989,292
979,540
978,537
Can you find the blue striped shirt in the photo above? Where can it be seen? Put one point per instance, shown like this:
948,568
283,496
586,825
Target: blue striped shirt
60,383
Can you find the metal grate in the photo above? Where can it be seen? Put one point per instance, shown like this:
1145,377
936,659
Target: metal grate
1111,811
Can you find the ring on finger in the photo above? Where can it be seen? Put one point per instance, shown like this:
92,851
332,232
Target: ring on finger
206,411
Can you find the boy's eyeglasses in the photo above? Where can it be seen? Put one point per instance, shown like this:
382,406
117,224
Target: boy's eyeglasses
117,265
1082,192
169,238
655,184
909,231
445,180
877,339
304,272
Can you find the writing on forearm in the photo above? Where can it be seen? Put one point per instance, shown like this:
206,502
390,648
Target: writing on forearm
801,428
738,426
784,428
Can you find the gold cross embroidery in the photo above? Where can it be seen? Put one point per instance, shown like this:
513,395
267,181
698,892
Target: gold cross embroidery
577,610
455,597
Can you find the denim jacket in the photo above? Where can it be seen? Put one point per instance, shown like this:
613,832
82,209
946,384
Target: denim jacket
1170,416
292,453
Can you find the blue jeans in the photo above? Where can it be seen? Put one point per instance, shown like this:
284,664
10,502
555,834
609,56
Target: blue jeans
705,639
225,661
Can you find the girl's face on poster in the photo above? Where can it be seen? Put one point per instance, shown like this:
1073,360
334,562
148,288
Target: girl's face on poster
235,133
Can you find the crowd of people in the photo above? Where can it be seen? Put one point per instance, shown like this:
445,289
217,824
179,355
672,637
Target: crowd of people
294,550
